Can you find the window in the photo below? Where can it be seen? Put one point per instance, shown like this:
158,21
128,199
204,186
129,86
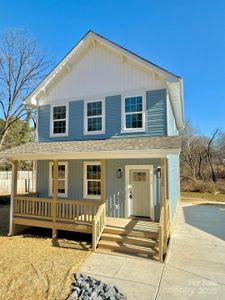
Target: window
92,180
139,176
59,124
133,114
62,179
94,117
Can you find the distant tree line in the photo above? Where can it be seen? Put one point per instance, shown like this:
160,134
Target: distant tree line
202,161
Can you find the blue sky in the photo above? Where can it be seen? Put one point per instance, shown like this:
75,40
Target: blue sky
185,37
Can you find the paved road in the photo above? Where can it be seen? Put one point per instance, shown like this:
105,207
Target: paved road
195,264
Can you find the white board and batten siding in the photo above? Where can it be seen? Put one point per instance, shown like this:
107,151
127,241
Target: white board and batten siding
99,72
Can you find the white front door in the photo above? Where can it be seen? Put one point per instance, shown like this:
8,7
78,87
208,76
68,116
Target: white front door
139,191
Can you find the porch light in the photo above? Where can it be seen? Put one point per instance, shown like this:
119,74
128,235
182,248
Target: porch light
119,172
159,172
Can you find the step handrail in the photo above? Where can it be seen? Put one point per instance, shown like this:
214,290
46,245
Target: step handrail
161,234
98,225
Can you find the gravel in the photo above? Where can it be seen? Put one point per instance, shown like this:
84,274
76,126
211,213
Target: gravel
87,288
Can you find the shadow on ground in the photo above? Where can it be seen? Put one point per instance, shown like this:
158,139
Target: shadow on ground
207,217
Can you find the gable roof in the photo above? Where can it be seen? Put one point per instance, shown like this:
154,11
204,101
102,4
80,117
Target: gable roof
174,82
97,148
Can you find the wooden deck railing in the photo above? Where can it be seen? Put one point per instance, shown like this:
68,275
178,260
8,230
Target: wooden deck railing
164,229
99,222
75,210
161,235
66,210
33,207
91,213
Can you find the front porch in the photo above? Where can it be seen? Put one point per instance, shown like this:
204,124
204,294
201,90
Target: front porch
108,171
139,236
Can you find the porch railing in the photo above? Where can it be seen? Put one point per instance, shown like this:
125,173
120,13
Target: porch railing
99,223
75,210
164,229
66,210
33,207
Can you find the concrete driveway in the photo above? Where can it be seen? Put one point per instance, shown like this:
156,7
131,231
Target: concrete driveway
195,264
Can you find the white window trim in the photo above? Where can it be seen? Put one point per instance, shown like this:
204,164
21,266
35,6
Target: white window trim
65,195
86,132
52,134
85,194
123,118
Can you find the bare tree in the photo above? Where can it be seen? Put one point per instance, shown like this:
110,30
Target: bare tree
22,66
211,154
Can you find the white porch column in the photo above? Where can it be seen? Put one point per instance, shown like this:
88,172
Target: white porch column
13,195
103,180
54,198
34,177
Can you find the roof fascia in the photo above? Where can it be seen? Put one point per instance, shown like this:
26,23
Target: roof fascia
154,153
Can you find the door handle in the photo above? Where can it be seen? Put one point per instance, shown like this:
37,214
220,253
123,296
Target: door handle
130,194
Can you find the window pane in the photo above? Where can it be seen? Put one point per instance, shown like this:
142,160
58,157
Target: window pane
62,169
95,124
139,176
133,104
61,187
59,112
94,188
59,126
94,109
94,172
134,121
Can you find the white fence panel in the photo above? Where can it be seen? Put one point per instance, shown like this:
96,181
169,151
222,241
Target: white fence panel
24,183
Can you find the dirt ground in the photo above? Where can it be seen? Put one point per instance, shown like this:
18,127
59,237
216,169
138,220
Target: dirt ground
31,268
186,196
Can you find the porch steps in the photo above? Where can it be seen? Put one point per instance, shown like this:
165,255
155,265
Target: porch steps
130,236
126,239
133,233
127,248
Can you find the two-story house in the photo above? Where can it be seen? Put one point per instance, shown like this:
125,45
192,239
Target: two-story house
107,150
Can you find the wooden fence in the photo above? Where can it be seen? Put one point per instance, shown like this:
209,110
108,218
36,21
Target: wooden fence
24,184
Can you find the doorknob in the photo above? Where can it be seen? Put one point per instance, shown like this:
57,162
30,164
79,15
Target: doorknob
130,194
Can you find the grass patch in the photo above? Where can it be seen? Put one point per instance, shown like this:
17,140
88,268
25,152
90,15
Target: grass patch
31,268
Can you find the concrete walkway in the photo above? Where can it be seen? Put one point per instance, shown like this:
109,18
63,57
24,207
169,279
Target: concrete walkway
195,264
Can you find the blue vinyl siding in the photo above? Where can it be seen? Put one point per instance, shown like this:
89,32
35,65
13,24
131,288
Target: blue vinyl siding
156,122
171,127
115,187
174,182
156,119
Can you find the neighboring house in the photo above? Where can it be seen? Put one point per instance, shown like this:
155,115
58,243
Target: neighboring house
108,149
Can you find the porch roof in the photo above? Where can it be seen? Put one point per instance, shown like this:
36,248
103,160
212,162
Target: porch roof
109,148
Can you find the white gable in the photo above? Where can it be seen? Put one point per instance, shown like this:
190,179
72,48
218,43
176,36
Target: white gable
100,71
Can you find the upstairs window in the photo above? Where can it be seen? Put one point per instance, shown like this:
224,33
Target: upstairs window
94,117
59,120
133,114
92,180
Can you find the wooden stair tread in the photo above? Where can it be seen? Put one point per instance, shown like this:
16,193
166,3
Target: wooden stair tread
142,241
137,233
114,246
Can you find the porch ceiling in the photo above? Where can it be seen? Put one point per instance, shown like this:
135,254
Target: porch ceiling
141,147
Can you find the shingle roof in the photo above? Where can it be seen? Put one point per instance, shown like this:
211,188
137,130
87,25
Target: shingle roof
108,145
